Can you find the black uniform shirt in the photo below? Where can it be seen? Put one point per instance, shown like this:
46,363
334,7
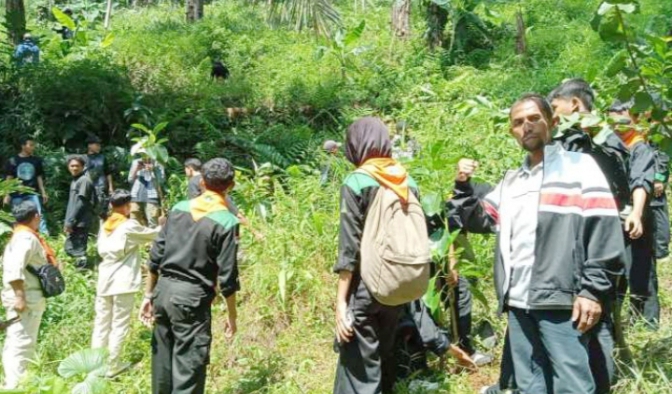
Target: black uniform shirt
642,167
199,244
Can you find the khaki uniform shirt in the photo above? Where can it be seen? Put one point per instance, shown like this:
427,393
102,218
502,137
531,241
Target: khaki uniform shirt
23,249
119,270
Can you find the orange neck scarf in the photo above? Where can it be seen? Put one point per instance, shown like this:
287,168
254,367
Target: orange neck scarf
115,220
206,203
51,256
389,173
631,138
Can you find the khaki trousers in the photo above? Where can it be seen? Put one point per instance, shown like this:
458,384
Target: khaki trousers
112,324
146,213
20,343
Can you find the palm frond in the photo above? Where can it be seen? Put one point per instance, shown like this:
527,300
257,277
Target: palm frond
318,15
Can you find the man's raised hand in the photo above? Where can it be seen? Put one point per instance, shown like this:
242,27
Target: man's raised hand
465,169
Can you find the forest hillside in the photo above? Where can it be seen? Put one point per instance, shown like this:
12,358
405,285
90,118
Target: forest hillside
446,80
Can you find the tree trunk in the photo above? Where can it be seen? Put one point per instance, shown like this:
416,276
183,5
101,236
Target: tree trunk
521,39
15,18
437,18
194,10
401,16
108,14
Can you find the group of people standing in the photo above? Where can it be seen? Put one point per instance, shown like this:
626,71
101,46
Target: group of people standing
578,224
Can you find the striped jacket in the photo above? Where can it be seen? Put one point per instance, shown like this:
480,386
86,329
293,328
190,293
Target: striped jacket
579,240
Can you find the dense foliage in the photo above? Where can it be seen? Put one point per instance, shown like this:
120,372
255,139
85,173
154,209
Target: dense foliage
288,91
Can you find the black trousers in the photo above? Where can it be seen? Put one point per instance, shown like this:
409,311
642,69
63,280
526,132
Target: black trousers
181,339
366,364
661,223
76,242
642,276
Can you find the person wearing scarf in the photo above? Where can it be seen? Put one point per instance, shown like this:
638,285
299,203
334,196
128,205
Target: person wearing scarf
641,270
21,292
365,329
119,276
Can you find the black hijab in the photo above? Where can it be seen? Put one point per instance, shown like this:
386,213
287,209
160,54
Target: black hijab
367,138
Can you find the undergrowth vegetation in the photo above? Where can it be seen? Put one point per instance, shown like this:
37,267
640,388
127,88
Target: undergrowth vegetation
288,91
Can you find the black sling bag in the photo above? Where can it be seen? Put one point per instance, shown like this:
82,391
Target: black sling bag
51,279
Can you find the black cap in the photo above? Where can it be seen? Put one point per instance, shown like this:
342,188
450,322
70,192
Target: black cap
93,139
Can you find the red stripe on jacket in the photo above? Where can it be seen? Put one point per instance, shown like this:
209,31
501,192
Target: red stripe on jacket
491,211
577,200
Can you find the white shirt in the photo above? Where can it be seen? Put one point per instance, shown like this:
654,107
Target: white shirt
23,249
119,271
524,209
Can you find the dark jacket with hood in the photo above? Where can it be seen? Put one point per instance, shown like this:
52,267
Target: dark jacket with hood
579,241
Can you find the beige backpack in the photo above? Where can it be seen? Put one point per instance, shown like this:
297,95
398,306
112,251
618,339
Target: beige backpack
395,252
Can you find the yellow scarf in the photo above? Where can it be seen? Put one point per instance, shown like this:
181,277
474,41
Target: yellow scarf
206,203
389,173
113,221
51,256
631,138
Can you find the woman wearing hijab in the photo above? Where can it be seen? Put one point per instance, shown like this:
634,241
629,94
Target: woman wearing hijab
364,327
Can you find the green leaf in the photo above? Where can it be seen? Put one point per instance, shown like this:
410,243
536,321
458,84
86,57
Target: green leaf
432,297
590,121
93,384
161,154
141,127
82,362
159,127
567,122
608,26
282,285
354,34
604,8
5,228
616,64
63,18
445,4
628,90
107,41
627,8
643,102
432,204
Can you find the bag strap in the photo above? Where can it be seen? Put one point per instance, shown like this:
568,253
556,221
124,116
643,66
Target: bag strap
32,270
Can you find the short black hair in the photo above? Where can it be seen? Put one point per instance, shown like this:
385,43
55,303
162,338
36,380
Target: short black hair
620,106
24,140
539,100
218,174
193,163
25,211
120,197
78,158
575,87
93,139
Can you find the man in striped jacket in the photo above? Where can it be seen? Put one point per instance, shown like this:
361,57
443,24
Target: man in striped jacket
559,240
